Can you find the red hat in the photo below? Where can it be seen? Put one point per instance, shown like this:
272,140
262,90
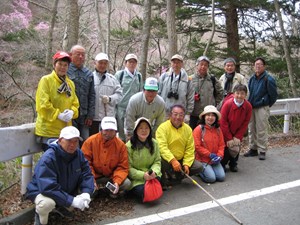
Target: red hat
60,55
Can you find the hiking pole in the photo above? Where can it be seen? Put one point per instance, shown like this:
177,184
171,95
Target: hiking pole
206,192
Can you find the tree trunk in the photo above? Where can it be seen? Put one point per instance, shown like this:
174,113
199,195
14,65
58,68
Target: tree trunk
48,61
109,11
213,27
286,49
233,49
145,37
171,27
72,27
101,39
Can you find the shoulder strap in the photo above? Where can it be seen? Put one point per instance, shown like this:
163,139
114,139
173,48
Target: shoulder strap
121,77
203,132
213,80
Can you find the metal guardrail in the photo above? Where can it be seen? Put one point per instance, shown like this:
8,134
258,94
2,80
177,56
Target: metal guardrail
20,141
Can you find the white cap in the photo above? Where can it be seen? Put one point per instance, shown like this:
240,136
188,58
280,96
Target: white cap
201,58
179,57
130,56
101,56
109,123
69,133
151,84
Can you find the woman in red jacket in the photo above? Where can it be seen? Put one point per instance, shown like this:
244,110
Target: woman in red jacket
209,145
236,114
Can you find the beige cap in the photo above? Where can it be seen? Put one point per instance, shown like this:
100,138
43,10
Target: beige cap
131,56
210,109
179,57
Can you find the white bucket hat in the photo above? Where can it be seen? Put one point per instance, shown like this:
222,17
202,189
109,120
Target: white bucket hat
210,109
139,120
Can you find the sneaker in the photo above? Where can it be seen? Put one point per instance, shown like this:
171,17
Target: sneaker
262,156
63,212
233,168
251,153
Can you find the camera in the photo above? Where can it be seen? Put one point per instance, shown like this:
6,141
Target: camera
197,96
110,186
172,94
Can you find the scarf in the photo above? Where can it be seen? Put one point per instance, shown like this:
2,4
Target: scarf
64,87
228,83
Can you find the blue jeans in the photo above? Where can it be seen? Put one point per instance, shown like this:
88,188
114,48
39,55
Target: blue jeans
212,173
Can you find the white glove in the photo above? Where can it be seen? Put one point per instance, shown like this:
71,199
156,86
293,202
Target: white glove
117,189
187,118
87,199
236,141
105,99
68,114
78,203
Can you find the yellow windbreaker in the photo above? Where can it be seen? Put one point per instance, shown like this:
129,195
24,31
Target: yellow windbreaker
49,103
178,143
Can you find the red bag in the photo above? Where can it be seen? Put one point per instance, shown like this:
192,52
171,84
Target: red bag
152,190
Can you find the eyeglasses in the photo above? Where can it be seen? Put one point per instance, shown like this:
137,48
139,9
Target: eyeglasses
180,115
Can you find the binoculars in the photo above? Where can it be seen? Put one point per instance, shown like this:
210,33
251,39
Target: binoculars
172,94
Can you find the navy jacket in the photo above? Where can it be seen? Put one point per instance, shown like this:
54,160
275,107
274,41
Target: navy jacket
60,175
262,90
84,86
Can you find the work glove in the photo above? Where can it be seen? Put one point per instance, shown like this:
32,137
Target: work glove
68,114
62,116
186,169
176,165
78,203
87,199
230,143
216,160
236,141
212,155
187,118
105,99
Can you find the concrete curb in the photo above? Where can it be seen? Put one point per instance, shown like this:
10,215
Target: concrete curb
22,217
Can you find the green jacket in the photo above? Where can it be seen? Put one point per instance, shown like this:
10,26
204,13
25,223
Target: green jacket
141,161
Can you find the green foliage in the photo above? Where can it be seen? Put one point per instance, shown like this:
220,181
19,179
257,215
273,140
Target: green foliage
137,23
20,35
121,33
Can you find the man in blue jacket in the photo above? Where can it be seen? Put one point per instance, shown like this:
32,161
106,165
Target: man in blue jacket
62,178
84,87
263,94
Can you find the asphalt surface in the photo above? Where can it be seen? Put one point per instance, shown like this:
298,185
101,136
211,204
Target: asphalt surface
270,189
260,193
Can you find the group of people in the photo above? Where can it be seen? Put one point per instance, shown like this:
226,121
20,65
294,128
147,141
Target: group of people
107,134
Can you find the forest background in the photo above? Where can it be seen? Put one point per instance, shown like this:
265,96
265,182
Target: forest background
31,31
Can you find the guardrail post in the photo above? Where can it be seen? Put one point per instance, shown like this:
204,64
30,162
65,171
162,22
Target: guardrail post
286,124
26,172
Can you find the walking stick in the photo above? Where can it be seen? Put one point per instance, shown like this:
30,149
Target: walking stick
206,192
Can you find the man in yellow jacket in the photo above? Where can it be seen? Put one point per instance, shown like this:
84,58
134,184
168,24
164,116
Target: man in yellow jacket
177,149
56,101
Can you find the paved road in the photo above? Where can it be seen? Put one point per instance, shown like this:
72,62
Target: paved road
261,193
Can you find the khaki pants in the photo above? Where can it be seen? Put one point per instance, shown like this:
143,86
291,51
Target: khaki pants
43,206
258,129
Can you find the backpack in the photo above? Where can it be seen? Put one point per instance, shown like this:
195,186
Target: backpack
122,75
213,80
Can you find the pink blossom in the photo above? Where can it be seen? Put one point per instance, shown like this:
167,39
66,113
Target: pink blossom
42,26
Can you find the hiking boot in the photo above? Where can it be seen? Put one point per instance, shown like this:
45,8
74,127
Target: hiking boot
233,168
251,153
63,212
262,156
